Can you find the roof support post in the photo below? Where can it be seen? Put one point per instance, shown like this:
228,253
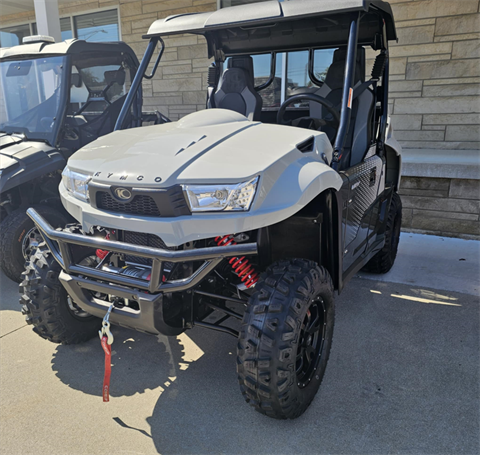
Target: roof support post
137,81
48,20
347,98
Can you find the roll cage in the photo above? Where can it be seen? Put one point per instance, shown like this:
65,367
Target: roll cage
272,27
78,52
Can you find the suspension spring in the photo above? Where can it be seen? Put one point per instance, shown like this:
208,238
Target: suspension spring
241,266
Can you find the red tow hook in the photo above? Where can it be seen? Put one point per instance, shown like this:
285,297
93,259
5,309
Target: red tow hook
101,254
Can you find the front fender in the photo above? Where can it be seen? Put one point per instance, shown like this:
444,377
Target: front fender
301,182
393,152
21,163
282,192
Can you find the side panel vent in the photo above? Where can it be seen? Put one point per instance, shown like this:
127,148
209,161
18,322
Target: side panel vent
307,146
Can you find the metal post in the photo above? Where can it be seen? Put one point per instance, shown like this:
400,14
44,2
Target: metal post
136,83
48,20
347,98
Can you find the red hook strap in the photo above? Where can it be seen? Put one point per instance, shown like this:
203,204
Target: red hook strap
108,369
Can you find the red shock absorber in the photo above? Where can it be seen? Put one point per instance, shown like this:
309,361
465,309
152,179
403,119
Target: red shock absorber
240,266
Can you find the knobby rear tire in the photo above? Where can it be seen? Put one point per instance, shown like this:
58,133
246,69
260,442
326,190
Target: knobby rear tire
383,261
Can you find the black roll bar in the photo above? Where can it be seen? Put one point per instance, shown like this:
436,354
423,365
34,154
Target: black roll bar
137,81
347,98
384,118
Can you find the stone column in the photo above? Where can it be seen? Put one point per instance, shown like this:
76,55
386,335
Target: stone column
48,20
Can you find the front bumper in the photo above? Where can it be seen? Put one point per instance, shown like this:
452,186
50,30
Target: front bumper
81,282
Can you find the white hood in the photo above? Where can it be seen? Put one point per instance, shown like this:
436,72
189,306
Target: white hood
209,146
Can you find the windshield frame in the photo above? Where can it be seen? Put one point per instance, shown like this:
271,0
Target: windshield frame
51,136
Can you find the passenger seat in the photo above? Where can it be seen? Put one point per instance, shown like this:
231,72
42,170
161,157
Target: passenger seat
236,89
359,133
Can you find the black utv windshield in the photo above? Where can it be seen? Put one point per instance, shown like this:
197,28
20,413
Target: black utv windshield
32,96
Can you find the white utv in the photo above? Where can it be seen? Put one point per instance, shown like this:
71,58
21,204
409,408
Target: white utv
232,210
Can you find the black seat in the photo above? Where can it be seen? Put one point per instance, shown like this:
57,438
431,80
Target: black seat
360,131
236,89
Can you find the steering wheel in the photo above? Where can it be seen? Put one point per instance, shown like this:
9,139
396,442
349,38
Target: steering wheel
334,123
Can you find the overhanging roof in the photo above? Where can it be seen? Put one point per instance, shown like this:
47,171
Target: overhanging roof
288,16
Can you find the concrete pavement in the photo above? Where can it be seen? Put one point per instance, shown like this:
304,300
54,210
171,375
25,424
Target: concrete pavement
403,377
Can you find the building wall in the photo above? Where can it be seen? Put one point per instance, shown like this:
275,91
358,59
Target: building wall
441,206
179,86
435,83
435,106
435,66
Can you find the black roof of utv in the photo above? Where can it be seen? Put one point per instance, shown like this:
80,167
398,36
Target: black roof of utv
274,26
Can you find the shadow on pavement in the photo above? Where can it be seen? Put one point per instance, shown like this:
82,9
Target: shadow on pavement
402,378
139,362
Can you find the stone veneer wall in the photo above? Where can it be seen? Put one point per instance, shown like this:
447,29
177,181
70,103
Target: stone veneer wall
435,106
179,86
441,206
435,74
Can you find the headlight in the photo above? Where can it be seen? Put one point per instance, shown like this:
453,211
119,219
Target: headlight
76,183
214,198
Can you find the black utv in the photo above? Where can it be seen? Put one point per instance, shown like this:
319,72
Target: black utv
54,99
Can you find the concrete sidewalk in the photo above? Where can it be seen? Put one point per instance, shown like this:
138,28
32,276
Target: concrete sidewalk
403,377
435,262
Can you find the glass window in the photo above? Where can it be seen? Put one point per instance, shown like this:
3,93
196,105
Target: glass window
298,79
33,95
12,36
99,27
271,95
104,77
322,60
65,28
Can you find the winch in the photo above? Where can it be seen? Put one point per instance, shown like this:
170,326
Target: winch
130,270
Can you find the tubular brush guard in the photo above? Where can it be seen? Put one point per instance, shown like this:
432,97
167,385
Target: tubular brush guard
78,278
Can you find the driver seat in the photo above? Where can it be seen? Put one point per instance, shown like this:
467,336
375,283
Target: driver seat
236,88
359,132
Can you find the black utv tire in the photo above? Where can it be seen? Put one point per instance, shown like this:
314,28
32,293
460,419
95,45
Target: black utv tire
45,303
383,261
13,231
285,339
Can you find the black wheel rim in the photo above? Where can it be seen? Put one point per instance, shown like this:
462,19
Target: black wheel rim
30,241
310,345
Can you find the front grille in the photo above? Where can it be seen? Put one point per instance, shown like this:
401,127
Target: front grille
155,202
139,238
139,205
